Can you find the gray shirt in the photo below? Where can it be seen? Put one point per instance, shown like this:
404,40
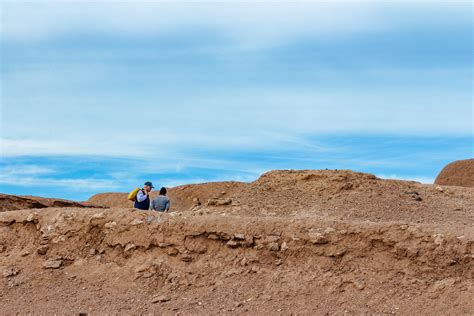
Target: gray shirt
161,204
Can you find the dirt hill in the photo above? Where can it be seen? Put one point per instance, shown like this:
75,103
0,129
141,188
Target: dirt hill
341,194
290,243
12,202
459,173
182,196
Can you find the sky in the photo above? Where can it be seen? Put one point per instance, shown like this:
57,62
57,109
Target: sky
103,96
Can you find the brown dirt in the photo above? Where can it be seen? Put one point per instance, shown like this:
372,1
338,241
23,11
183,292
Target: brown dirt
12,202
459,173
331,194
182,196
290,243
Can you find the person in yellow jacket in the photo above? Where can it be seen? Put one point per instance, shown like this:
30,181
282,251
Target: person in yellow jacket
142,200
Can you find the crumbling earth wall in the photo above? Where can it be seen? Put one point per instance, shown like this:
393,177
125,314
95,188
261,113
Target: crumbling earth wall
123,260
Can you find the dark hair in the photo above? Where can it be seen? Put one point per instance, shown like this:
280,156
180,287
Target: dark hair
163,191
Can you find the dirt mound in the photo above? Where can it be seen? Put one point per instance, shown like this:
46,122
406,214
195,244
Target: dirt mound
111,199
337,194
292,242
459,173
351,195
13,202
125,261
182,197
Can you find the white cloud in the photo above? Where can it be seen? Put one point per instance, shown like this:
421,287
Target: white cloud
243,24
38,121
421,179
28,175
25,170
241,21
85,185
250,120
63,146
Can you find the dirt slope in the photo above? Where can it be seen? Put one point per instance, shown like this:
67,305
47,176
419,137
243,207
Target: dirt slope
290,243
182,197
339,194
114,261
460,173
12,202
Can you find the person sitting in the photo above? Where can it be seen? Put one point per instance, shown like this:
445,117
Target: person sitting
142,200
161,203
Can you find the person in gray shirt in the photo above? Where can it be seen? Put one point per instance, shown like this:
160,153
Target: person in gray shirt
161,203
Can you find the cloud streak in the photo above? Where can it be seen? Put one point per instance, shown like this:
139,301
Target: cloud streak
241,22
116,93
39,176
249,26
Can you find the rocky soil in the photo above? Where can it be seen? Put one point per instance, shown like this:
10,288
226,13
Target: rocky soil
459,173
290,243
12,202
335,194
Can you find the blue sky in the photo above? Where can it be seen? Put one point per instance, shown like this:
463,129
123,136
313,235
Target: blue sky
101,96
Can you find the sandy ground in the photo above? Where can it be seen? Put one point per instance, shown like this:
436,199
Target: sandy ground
290,243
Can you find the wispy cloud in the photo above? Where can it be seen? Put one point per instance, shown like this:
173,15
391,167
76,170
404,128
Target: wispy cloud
38,176
421,179
25,170
80,176
68,185
246,25
232,122
109,94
